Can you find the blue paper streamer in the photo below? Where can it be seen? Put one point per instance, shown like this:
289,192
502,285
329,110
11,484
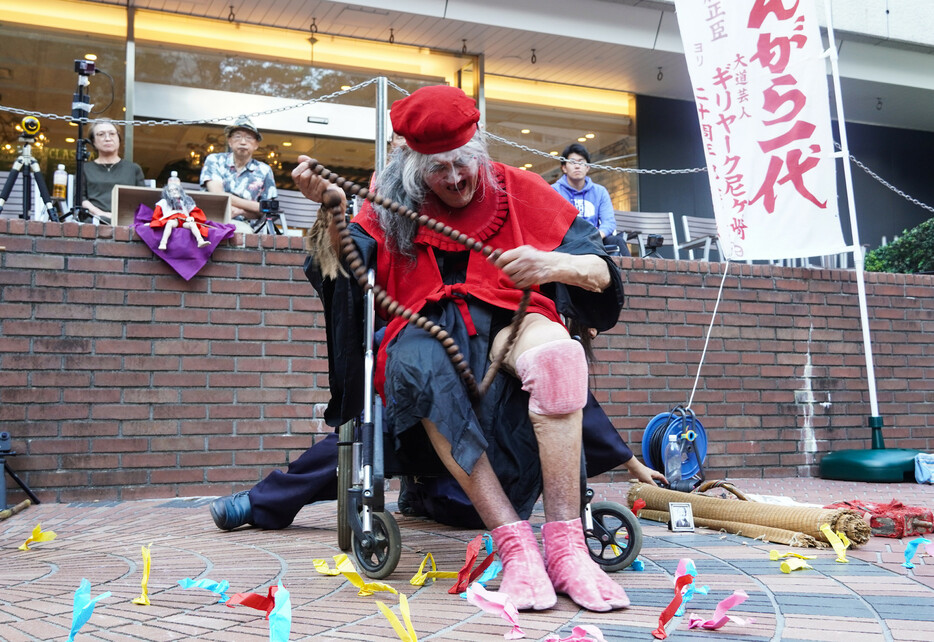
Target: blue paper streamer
215,587
280,619
637,565
911,548
83,607
691,589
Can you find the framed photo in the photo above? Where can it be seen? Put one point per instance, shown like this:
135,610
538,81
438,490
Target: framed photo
682,517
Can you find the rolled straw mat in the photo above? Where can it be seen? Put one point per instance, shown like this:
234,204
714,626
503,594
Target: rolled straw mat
755,531
792,518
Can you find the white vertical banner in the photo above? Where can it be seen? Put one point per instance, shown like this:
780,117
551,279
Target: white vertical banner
760,87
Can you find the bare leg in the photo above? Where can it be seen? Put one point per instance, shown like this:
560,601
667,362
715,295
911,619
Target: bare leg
193,226
482,486
169,226
558,436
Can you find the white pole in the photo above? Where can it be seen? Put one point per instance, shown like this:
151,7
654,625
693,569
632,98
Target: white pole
854,230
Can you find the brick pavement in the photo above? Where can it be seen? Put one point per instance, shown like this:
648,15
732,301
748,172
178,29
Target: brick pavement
871,598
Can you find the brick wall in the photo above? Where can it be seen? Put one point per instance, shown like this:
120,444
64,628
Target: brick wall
119,380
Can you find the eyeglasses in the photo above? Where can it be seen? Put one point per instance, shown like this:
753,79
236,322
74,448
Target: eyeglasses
242,136
106,135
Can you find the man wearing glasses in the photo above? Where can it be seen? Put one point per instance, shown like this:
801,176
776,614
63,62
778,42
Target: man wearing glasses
237,173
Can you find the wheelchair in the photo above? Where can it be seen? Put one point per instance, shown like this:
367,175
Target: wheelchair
366,528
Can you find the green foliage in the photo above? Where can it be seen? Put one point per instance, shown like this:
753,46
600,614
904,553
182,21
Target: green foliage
912,253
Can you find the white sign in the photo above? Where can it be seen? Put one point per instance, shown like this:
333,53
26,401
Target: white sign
761,92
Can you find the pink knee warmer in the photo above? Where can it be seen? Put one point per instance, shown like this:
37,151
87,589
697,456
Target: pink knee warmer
555,376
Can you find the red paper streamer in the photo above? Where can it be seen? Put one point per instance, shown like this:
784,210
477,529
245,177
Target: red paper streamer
255,600
670,610
465,576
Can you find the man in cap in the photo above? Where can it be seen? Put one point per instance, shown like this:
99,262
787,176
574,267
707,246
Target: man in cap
523,437
237,173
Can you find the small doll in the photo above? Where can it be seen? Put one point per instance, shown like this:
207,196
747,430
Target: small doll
178,208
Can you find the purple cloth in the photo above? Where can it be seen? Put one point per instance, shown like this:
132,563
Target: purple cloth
182,252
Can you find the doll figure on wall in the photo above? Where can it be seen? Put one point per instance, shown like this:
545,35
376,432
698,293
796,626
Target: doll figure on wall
178,208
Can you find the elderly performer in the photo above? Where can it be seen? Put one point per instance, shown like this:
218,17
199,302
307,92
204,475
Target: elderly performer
524,436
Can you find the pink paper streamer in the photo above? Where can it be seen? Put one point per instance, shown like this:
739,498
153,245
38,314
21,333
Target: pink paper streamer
720,617
497,604
583,633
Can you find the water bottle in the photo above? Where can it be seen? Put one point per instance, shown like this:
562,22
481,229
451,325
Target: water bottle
174,179
60,183
672,459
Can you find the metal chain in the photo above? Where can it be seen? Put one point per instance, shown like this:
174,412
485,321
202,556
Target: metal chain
218,120
625,170
499,139
905,196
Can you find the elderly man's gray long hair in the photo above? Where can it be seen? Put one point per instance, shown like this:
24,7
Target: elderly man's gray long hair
402,182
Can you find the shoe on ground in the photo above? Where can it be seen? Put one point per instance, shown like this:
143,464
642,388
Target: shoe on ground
232,511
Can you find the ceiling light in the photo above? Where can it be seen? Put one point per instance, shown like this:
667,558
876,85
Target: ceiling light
553,153
69,140
345,87
287,143
588,135
90,56
525,131
581,140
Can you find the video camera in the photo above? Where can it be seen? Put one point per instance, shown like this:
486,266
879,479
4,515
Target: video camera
30,125
84,67
6,445
268,206
654,241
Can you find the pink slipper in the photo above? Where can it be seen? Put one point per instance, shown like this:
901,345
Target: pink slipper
524,578
574,573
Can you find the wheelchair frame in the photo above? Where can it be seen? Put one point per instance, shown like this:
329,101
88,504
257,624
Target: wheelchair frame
612,532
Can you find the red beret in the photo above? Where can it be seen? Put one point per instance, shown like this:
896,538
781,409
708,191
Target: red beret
435,119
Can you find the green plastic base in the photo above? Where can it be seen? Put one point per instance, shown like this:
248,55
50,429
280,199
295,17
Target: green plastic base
877,465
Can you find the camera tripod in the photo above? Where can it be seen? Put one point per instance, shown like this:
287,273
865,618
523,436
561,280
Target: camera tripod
33,173
7,451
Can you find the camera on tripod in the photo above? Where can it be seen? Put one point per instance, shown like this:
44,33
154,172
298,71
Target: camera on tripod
268,207
30,125
84,67
654,241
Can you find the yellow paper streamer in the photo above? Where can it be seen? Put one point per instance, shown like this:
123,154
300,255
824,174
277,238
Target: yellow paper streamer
794,564
38,535
406,633
434,574
346,568
143,599
322,567
836,540
775,555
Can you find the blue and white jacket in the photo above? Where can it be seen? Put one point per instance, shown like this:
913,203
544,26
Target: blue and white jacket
592,203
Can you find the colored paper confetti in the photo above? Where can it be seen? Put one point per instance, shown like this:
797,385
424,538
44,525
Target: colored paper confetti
255,601
209,585
143,599
346,568
794,564
406,633
280,620
465,576
582,633
775,556
38,535
686,567
83,607
669,612
498,604
637,565
910,549
839,542
434,574
720,616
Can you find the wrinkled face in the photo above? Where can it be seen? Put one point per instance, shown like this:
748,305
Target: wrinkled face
575,168
106,140
453,177
242,143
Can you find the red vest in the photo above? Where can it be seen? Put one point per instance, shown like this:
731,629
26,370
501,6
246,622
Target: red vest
526,212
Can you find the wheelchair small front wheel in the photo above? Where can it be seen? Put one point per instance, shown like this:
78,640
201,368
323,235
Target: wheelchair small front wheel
380,559
616,538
